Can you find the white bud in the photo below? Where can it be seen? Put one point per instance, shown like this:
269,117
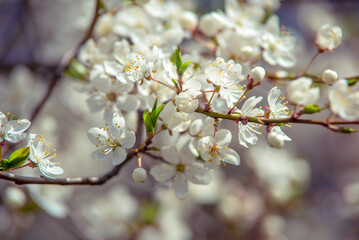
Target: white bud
141,2
257,74
189,20
14,197
104,25
329,76
328,37
275,139
139,175
211,23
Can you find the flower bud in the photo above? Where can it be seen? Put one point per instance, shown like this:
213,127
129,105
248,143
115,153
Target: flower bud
189,20
211,23
275,139
139,175
257,74
329,38
329,76
14,197
255,77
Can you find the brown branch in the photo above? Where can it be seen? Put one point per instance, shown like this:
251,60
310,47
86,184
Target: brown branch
67,181
266,121
65,63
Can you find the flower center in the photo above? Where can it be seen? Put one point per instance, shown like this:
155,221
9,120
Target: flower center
111,96
180,168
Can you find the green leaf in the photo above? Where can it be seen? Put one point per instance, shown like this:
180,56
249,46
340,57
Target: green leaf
155,114
147,121
352,81
184,67
4,165
178,58
347,130
18,157
154,106
311,109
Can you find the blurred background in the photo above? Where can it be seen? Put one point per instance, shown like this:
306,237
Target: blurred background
307,190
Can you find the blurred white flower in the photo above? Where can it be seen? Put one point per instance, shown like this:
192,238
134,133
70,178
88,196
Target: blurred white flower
300,91
329,37
180,167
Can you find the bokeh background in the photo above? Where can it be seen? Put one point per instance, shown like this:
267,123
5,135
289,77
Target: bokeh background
307,190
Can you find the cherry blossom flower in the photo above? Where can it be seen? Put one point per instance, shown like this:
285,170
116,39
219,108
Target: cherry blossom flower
278,48
343,101
301,93
41,155
111,140
215,151
12,130
329,37
248,130
180,167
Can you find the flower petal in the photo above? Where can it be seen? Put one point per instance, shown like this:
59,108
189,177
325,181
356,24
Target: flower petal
223,137
128,140
230,156
97,135
163,172
180,185
118,156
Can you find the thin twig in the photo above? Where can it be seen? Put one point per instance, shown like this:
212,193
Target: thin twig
65,63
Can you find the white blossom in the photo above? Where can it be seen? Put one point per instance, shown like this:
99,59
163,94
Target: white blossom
12,130
343,101
41,155
278,48
215,151
300,91
112,140
329,37
180,167
248,130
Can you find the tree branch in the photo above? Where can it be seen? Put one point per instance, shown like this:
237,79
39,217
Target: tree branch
67,181
65,63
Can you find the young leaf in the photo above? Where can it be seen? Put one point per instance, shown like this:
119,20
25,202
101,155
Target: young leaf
184,67
4,165
155,114
147,121
178,59
18,157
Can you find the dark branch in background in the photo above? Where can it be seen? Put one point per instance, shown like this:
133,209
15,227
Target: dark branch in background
65,63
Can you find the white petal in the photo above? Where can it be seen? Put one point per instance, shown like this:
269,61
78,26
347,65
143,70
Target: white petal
129,139
197,173
180,185
97,135
230,156
20,125
223,137
163,172
170,154
100,155
118,156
